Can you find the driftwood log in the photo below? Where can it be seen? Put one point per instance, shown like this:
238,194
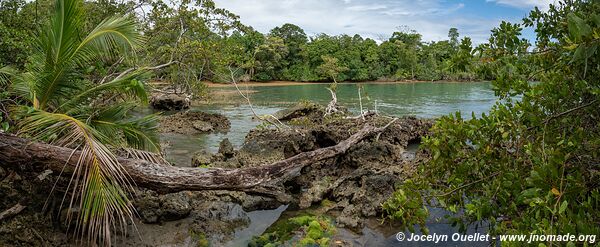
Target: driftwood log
20,153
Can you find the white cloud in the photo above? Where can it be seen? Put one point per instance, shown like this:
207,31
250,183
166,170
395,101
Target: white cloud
525,4
366,7
372,19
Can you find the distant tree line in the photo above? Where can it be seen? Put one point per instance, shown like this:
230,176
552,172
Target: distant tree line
210,43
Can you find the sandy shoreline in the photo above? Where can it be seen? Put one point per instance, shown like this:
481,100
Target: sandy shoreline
292,83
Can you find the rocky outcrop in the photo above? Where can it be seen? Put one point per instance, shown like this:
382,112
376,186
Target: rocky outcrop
190,123
36,225
301,110
169,102
224,158
154,208
357,182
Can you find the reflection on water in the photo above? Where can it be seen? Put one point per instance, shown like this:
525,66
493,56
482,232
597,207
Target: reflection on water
425,99
260,220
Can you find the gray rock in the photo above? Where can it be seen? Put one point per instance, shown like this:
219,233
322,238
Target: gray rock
169,102
202,158
226,149
153,208
315,193
251,203
202,126
175,206
191,123
302,109
218,221
349,218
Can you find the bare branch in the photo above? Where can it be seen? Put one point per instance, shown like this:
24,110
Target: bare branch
268,118
14,210
332,106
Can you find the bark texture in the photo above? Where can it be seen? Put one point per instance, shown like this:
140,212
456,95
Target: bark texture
266,180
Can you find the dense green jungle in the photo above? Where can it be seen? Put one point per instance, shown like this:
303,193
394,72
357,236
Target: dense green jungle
174,123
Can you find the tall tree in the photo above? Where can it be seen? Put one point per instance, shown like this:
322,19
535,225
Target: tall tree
294,38
453,36
270,59
331,67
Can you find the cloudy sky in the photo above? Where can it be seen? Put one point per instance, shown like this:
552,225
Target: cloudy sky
380,18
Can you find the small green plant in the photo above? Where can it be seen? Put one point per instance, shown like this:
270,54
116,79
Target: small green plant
3,125
315,231
326,203
305,102
301,121
263,126
201,239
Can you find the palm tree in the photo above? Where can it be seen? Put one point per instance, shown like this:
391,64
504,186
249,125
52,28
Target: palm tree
63,106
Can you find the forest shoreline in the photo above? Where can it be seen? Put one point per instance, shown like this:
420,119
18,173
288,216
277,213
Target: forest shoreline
296,83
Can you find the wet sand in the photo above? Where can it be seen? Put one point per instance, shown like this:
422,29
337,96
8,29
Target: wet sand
258,84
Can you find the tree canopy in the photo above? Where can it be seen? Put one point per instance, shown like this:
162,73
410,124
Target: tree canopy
530,165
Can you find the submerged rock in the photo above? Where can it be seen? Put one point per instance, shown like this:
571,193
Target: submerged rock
217,221
190,123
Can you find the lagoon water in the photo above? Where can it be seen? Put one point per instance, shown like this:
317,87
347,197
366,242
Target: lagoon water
423,99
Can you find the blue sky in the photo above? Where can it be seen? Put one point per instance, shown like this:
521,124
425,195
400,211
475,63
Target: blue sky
378,19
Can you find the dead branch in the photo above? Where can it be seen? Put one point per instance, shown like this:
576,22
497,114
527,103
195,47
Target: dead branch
332,107
14,210
267,118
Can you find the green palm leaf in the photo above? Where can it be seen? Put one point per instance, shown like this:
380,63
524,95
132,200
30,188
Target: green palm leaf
67,109
116,35
98,184
139,133
6,73
64,52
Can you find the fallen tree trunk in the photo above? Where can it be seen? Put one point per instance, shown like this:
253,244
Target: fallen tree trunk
265,180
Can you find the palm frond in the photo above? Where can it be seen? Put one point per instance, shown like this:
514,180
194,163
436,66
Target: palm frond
138,133
144,155
99,183
6,73
23,86
57,45
131,84
68,109
64,51
116,35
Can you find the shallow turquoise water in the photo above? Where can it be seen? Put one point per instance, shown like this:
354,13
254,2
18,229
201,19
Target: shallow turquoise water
428,99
